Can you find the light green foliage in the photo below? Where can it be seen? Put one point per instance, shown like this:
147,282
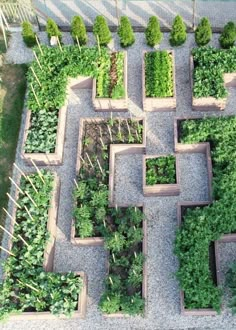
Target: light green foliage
209,65
178,33
54,292
52,29
160,170
203,33
203,225
28,34
228,36
101,30
125,32
158,74
153,32
78,30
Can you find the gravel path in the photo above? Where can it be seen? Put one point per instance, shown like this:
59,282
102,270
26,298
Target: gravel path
163,310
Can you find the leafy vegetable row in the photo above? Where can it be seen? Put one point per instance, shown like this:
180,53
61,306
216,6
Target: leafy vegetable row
160,170
203,225
120,227
27,287
209,66
159,74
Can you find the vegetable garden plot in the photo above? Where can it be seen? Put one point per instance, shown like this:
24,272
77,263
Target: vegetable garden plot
158,81
211,71
210,223
120,228
29,284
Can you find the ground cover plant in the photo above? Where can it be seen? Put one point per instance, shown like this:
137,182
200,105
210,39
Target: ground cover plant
12,93
160,170
209,66
204,225
153,32
120,227
125,32
159,74
56,66
26,286
110,82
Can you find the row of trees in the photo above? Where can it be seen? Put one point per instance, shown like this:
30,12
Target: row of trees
178,34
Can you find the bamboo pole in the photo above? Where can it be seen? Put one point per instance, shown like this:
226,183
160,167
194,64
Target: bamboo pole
23,240
100,166
26,192
2,248
38,171
11,217
35,55
58,40
78,43
38,43
6,231
31,182
21,172
29,286
16,185
109,130
103,145
32,69
12,199
82,159
28,212
89,160
77,186
32,87
99,48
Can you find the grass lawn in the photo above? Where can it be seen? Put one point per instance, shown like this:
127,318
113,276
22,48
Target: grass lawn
12,92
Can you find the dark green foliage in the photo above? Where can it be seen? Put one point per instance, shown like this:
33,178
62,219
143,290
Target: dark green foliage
78,30
160,170
101,31
203,225
52,29
228,36
209,66
158,74
125,32
28,34
153,32
203,33
178,33
26,285
231,283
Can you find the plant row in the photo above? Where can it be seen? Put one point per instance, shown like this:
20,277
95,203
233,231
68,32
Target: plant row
121,228
159,74
26,286
204,225
209,66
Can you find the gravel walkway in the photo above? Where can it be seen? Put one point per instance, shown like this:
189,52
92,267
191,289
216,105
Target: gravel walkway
163,310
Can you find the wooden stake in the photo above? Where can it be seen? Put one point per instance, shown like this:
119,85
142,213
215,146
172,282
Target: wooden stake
82,159
89,160
21,172
6,231
35,55
26,192
2,248
58,40
12,199
38,170
103,145
110,279
99,166
78,43
29,286
135,254
128,126
31,182
23,240
116,207
99,48
76,184
16,185
36,76
113,256
29,214
109,130
11,217
104,223
38,43
36,98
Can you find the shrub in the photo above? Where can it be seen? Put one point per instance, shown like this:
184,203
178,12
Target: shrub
101,30
228,36
178,33
153,33
78,30
203,32
28,34
125,32
52,29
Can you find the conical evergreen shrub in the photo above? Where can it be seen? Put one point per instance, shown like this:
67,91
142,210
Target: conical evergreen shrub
178,33
101,30
28,35
153,32
52,29
78,30
228,36
203,33
125,32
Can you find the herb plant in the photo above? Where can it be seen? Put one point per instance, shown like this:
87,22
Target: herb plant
158,74
153,32
28,34
160,170
125,32
26,286
204,225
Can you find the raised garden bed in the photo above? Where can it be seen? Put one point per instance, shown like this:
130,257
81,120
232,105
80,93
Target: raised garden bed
160,175
211,71
110,89
28,270
202,226
158,81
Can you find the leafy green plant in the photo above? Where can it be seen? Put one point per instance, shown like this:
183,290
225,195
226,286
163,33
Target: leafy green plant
160,170
78,30
228,36
125,32
201,226
203,33
101,30
28,34
158,74
153,32
52,29
178,33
